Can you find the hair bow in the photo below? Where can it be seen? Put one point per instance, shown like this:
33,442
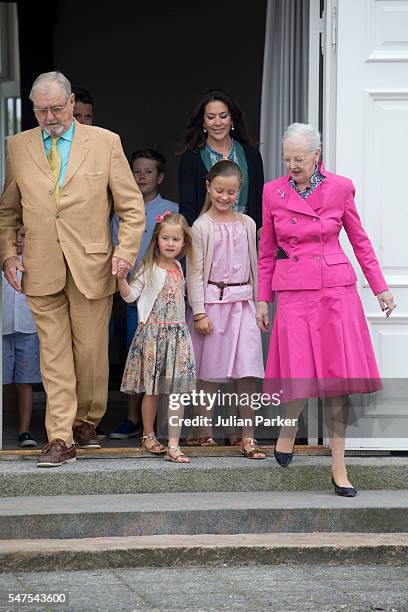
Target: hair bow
160,218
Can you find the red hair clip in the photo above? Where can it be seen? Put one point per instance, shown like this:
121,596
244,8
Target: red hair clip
160,218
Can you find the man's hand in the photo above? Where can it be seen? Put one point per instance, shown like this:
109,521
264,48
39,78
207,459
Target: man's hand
11,265
120,267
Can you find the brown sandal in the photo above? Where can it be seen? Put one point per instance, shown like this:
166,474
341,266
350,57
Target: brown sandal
192,441
208,441
155,448
255,450
178,454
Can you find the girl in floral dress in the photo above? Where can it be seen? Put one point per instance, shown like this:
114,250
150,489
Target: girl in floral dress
161,356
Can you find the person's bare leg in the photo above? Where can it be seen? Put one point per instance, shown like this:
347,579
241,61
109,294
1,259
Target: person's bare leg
206,431
287,434
175,419
134,408
25,405
149,411
246,387
336,419
230,410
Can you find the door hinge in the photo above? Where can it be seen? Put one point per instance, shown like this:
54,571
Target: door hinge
329,31
333,39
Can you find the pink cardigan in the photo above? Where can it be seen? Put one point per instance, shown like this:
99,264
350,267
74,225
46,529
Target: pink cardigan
308,231
203,243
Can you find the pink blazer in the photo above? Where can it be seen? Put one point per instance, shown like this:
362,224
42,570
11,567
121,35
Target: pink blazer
308,231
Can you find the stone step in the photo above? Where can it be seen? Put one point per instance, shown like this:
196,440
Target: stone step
203,474
343,548
92,516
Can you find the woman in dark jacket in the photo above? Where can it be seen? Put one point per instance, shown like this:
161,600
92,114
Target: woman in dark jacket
218,130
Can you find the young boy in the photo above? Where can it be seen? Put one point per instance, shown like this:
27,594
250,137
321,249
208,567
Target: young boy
148,169
84,106
21,353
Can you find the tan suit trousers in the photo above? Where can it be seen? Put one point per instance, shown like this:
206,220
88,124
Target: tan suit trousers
73,333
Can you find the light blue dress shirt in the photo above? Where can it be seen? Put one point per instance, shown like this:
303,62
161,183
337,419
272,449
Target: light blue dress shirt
153,208
64,149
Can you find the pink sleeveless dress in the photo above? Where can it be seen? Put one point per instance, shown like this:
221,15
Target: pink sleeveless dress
234,348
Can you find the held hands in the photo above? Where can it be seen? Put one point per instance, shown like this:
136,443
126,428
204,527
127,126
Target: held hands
120,267
11,265
262,316
203,325
386,301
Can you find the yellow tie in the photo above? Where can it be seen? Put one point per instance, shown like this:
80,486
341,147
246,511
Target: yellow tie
54,159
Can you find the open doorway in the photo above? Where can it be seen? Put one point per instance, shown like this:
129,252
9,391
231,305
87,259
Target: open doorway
146,65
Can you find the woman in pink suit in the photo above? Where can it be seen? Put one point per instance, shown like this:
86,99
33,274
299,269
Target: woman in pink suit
320,344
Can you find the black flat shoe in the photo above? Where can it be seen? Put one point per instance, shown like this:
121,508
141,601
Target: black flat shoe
344,491
284,459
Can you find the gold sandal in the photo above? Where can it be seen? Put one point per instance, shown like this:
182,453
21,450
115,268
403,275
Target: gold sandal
156,448
179,455
255,450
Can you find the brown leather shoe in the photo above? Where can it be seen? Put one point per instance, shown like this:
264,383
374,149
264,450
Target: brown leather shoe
56,453
85,436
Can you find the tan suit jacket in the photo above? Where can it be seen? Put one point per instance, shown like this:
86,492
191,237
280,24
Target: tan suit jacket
78,228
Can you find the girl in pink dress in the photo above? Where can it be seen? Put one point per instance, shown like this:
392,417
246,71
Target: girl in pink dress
221,287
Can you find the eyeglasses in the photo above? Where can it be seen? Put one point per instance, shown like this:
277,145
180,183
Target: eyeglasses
55,110
299,161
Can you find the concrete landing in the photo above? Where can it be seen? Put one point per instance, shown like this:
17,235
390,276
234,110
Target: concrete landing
260,588
200,550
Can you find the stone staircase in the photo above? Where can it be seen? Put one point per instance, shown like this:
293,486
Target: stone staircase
103,513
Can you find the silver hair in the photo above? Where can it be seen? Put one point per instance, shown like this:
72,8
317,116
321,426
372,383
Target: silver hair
49,77
303,130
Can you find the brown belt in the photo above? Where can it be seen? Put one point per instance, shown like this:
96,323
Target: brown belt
221,286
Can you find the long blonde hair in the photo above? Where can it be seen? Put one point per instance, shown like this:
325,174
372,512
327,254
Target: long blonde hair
152,254
221,168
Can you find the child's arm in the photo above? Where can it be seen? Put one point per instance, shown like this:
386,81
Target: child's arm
124,288
130,292
251,234
195,273
195,285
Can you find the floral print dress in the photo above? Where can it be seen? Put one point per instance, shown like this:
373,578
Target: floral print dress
161,356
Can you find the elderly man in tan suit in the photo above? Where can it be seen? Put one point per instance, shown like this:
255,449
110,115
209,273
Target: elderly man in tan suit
61,180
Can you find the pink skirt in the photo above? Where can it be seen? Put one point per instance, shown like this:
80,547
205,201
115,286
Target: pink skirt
320,346
234,347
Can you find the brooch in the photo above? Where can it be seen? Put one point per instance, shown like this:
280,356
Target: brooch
281,194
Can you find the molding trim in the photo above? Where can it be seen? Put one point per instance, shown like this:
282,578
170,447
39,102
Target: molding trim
378,48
